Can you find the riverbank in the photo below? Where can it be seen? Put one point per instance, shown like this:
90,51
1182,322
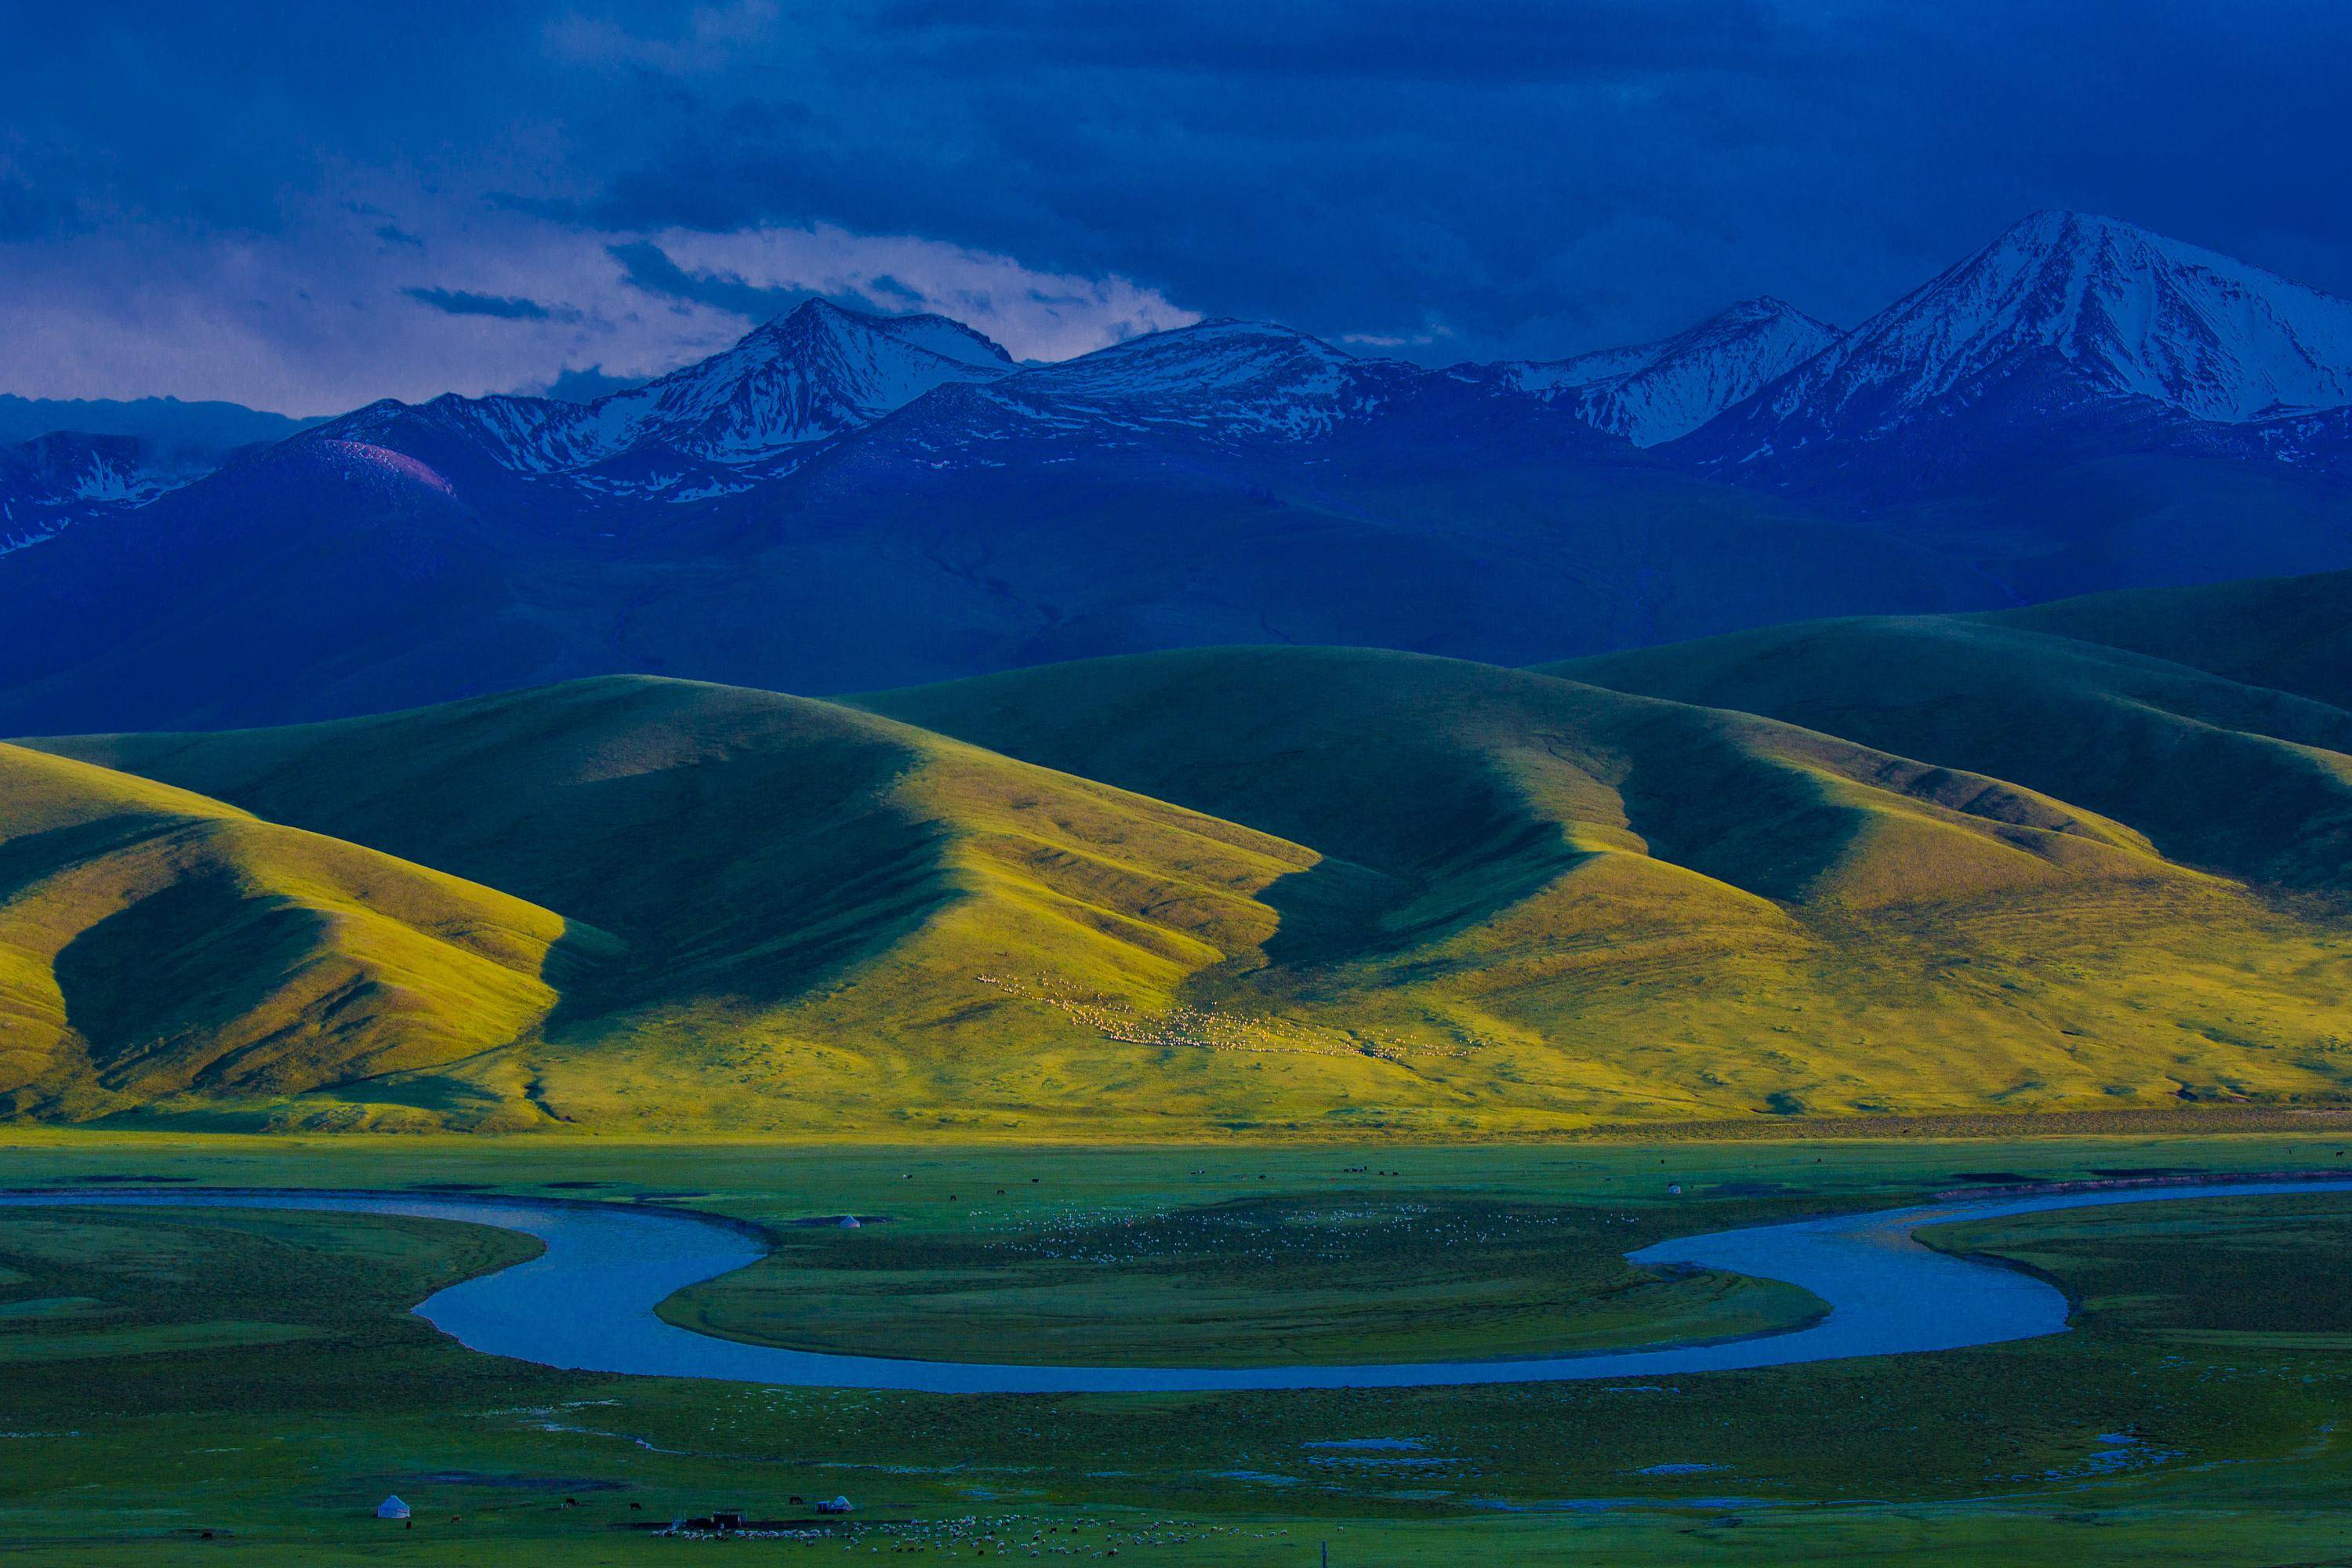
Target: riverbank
274,1359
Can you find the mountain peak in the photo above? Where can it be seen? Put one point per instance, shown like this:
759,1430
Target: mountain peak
2062,312
1231,340
1653,392
718,426
1762,308
926,332
817,371
2054,225
2113,308
1221,354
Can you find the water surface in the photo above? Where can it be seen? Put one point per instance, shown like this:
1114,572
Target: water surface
587,1301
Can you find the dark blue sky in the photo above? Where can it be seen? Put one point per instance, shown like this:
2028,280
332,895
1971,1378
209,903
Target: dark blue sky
306,207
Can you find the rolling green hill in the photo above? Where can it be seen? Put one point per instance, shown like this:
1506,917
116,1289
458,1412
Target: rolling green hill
156,944
1308,889
2248,781
2292,633
1627,906
829,918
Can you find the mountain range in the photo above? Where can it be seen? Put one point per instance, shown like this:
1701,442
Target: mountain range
1655,393
72,462
2066,329
846,502
2087,857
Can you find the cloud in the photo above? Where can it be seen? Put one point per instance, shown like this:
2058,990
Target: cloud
583,385
645,266
180,187
1036,314
712,39
1362,40
506,307
322,315
1432,331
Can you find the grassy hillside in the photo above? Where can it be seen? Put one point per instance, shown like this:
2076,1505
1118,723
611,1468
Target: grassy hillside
1321,889
154,944
829,918
1623,907
2248,781
2292,633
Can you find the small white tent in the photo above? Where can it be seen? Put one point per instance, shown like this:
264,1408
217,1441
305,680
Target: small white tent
838,1505
392,1508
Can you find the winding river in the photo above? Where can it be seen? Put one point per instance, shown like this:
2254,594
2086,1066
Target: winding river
587,1301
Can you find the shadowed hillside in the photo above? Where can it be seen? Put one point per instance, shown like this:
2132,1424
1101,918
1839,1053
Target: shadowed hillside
2245,780
2292,633
1612,900
828,914
153,942
1318,890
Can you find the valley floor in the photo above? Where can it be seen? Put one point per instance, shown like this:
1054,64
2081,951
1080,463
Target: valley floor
258,1375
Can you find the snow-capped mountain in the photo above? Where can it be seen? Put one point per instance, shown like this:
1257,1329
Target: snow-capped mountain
2061,317
814,374
69,477
1231,378
1214,382
842,501
1653,392
1222,388
720,426
2318,444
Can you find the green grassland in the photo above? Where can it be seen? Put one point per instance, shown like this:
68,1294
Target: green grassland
151,940
815,911
1688,911
1946,866
1930,867
2246,781
1358,1275
2284,632
2192,1418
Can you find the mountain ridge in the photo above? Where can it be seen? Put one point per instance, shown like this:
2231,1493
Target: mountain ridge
54,481
2061,313
1328,891
842,500
1654,392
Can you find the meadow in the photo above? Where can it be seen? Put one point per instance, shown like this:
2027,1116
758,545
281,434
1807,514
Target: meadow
1955,865
257,1375
1221,1006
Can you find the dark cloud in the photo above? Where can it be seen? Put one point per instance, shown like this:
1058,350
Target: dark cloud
506,307
1537,177
586,386
1513,177
1369,41
887,289
393,234
646,267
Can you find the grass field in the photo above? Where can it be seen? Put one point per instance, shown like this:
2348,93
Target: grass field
2193,1416
151,939
1361,1275
1264,892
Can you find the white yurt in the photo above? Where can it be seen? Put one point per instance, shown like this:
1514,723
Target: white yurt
392,1508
